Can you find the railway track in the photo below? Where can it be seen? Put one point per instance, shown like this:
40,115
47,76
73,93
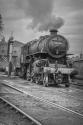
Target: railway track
69,95
31,120
61,91
46,101
78,84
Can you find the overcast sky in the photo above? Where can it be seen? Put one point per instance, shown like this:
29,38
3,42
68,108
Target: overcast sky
25,17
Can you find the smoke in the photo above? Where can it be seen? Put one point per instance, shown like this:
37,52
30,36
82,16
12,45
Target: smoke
40,13
52,22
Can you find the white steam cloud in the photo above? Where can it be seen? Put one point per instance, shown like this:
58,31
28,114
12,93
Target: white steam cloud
52,22
40,12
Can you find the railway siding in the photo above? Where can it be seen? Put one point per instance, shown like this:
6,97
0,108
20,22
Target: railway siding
10,114
72,98
41,109
43,112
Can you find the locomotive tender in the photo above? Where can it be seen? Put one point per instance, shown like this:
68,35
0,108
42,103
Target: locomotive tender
44,60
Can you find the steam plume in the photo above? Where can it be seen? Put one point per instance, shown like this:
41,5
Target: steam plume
51,23
40,12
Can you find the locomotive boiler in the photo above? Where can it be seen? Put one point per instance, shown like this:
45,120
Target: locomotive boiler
55,45
45,59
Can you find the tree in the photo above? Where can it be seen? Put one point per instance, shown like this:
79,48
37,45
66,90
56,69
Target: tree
1,24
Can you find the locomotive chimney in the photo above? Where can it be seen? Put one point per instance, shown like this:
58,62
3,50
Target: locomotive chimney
53,32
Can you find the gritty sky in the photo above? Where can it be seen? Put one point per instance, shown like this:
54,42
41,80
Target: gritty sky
28,19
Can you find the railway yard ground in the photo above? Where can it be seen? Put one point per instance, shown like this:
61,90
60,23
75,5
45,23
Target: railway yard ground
9,116
43,105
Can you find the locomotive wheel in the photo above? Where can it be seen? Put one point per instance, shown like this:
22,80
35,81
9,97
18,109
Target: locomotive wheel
58,78
45,80
36,80
32,76
28,75
67,85
68,81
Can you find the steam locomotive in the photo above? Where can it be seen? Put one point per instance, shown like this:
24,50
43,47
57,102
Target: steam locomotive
44,60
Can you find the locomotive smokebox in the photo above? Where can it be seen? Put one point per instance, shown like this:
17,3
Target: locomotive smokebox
53,32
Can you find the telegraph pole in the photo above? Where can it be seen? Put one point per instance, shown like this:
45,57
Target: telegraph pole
10,49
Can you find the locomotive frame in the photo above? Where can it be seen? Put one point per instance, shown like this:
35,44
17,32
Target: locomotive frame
36,51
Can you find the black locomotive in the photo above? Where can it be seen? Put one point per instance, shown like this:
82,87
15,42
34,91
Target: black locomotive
44,60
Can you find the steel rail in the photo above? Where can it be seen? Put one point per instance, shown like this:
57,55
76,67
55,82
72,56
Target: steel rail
46,101
71,95
42,86
22,112
62,92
